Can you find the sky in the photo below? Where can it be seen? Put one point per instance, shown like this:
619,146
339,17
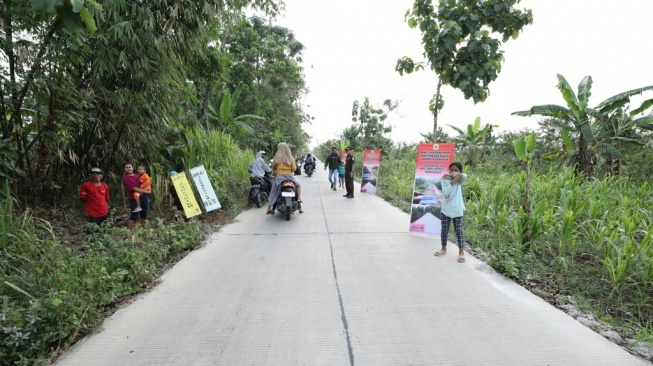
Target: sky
352,46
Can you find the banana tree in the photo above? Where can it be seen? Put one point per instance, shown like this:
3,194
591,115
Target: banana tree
586,124
228,122
473,138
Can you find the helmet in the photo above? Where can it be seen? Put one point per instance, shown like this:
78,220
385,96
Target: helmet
96,170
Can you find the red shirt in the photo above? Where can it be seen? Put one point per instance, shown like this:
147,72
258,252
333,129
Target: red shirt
96,198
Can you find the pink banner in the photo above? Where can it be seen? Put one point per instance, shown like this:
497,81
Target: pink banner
371,162
433,160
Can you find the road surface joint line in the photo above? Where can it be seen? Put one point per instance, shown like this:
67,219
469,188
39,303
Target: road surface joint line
345,324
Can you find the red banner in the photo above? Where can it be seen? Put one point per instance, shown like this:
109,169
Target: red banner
371,162
433,160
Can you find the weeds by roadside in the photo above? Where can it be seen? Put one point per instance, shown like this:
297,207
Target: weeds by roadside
53,292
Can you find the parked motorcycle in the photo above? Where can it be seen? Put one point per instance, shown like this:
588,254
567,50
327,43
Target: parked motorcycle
259,189
287,203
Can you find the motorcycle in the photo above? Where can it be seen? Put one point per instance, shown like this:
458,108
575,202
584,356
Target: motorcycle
308,169
286,202
259,189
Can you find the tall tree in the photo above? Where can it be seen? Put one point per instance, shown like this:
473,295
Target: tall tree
369,130
69,100
266,60
462,41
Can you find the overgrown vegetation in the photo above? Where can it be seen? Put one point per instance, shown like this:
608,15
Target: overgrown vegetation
88,83
59,278
150,73
57,289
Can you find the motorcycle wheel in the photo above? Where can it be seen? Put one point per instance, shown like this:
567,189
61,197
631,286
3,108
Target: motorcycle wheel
288,212
263,197
257,200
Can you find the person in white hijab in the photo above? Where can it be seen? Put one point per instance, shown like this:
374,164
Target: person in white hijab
284,166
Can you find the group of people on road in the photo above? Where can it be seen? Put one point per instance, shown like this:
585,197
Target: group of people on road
453,205
341,172
285,167
95,194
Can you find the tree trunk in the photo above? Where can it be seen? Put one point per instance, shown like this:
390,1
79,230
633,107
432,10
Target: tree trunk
436,110
201,114
8,48
585,158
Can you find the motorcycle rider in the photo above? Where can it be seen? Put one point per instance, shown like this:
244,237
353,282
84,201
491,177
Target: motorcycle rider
309,161
258,168
283,166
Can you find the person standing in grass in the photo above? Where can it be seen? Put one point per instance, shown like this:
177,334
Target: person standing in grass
453,208
95,195
132,184
146,185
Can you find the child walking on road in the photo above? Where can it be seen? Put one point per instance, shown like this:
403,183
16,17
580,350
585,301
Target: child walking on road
146,183
453,208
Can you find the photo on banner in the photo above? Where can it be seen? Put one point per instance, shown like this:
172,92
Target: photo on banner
205,189
433,160
371,162
186,195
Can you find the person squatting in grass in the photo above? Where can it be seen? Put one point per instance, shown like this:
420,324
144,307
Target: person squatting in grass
453,208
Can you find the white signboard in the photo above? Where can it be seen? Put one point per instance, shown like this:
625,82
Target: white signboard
205,189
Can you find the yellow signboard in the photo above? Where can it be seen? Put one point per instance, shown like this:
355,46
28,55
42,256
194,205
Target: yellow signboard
186,196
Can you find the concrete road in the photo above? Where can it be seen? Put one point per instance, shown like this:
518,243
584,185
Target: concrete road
342,284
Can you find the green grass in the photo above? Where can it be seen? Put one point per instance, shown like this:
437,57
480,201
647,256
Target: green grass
58,283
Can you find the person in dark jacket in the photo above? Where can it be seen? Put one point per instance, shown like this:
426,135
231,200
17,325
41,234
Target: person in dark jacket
349,172
333,163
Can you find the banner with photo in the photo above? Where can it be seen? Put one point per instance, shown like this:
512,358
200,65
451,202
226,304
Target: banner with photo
371,162
186,196
205,189
433,160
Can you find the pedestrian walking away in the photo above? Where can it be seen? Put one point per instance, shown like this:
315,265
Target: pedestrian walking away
349,172
333,163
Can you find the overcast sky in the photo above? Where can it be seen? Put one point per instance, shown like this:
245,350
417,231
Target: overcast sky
351,48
